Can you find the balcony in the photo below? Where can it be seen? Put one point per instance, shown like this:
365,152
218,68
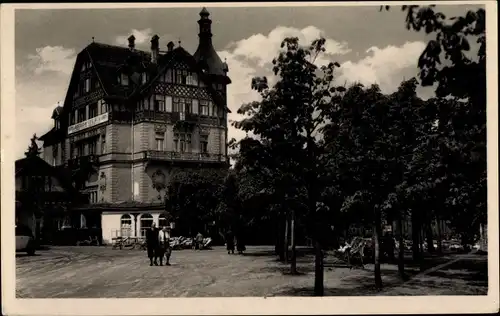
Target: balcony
78,162
175,156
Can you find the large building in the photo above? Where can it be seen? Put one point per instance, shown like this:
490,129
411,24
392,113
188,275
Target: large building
131,118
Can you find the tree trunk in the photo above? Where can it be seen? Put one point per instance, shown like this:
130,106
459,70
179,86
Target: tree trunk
279,249
293,265
401,250
318,269
439,237
430,239
286,239
377,233
415,228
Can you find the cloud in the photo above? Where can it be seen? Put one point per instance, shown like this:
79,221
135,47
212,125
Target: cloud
250,57
52,59
41,82
142,37
386,66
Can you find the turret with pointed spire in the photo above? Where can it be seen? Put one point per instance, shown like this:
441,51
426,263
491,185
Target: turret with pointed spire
205,54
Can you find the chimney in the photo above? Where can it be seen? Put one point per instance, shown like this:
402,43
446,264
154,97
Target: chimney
155,48
131,42
170,46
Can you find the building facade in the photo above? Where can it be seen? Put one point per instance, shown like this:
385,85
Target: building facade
131,119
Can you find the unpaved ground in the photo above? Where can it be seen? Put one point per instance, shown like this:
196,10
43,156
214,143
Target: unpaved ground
100,272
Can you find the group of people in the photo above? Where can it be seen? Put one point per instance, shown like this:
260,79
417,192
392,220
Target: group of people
233,240
158,245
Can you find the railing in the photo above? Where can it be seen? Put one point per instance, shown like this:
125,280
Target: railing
79,161
178,156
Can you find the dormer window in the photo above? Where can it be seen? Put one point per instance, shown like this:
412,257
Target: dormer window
144,78
84,67
168,76
57,124
86,85
123,79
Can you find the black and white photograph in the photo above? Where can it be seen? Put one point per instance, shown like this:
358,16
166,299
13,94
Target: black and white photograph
275,153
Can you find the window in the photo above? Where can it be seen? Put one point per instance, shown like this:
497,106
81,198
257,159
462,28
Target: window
144,78
87,85
182,142
168,76
192,79
103,145
81,115
103,106
160,141
84,67
93,197
204,107
188,106
178,104
195,106
178,76
213,110
146,222
220,87
123,79
168,103
202,84
126,225
92,147
57,124
203,143
159,103
92,110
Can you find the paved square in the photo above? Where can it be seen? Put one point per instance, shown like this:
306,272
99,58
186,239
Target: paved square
100,272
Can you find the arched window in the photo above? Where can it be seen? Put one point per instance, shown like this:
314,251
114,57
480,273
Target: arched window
146,222
126,225
162,221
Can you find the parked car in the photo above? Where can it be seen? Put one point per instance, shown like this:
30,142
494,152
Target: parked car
25,241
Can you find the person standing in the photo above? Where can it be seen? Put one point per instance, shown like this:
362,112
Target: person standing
164,245
198,241
240,243
152,243
230,242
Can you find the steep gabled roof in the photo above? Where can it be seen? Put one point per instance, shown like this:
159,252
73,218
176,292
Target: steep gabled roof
166,60
36,166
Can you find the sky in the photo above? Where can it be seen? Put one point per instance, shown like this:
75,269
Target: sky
371,46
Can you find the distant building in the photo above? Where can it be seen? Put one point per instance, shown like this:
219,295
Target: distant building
43,196
131,118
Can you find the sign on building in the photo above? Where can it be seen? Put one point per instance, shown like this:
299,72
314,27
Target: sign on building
88,123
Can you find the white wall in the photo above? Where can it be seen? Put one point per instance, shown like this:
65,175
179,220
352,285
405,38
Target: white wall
111,224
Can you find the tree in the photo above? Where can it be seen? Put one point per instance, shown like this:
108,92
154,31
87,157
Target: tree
193,197
356,138
285,122
461,77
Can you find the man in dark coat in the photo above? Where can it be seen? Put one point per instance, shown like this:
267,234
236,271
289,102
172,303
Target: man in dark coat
230,242
152,244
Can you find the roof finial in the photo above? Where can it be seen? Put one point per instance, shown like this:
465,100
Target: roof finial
204,13
179,41
92,39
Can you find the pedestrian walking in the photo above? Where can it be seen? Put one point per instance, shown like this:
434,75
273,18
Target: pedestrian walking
164,245
230,242
152,244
